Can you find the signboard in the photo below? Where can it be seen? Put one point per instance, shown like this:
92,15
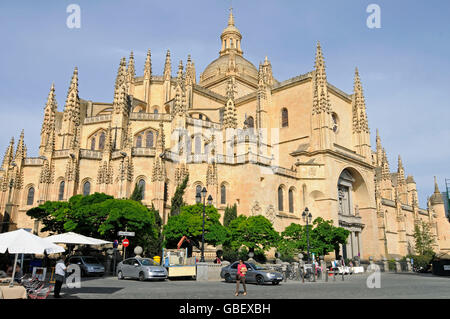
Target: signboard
126,233
125,242
446,267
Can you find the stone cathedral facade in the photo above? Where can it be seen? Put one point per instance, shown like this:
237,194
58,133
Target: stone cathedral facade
271,147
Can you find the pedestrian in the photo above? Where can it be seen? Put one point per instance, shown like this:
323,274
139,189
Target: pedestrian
240,277
60,275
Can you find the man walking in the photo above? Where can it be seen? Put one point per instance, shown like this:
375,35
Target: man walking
60,275
240,277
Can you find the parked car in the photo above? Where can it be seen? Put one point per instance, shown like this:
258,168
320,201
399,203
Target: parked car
89,265
255,273
141,268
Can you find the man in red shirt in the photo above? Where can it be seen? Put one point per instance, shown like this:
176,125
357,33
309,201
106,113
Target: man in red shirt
240,277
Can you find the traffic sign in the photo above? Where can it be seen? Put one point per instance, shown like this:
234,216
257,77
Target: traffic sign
126,233
125,242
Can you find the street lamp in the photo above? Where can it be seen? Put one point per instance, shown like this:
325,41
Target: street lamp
307,217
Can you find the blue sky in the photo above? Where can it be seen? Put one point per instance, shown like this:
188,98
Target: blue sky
404,65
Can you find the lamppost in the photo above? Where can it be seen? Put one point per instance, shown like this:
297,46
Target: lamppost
198,198
307,217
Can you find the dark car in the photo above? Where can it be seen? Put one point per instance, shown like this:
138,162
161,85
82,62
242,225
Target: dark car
255,273
88,265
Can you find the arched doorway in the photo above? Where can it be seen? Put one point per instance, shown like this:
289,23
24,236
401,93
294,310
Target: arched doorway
351,193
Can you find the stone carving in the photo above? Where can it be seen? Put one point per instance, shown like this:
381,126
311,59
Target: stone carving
256,209
270,213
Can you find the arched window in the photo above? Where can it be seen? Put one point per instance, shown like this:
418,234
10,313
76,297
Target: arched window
198,145
93,143
139,141
335,120
223,194
291,201
280,199
141,185
30,196
86,188
251,122
61,191
149,139
155,111
101,141
284,118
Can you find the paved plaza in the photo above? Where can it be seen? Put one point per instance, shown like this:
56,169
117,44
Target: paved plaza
401,286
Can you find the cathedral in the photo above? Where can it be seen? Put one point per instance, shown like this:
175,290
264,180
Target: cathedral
271,147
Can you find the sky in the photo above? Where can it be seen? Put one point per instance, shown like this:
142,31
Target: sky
404,64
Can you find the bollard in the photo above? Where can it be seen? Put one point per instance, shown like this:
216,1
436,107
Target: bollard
342,274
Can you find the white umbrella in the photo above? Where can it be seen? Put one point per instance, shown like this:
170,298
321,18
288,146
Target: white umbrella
76,239
22,242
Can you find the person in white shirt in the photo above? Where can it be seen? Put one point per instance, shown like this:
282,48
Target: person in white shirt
60,275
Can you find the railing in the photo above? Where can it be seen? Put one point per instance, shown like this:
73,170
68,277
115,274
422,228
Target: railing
144,151
97,119
202,123
89,154
61,153
34,161
150,116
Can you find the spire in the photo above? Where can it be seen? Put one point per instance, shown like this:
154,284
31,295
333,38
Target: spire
21,149
9,155
230,113
190,71
385,172
49,111
360,123
120,103
148,66
231,18
400,172
161,139
131,71
321,102
180,74
436,198
72,107
436,187
167,67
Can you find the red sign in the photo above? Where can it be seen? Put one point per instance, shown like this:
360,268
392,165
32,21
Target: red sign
125,242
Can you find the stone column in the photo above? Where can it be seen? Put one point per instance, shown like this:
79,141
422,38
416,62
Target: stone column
398,267
202,272
349,247
354,245
323,264
360,247
408,265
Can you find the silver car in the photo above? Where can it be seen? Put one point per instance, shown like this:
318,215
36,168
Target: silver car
255,273
141,268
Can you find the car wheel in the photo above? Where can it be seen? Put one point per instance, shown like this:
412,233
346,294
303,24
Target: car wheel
141,276
260,280
228,278
120,275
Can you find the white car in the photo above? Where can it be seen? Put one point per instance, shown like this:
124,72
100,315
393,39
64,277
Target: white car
141,268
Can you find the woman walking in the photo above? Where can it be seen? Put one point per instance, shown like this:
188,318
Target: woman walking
240,277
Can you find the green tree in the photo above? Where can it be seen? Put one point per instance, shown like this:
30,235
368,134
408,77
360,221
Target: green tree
137,193
256,233
189,223
324,237
177,199
229,215
423,238
101,216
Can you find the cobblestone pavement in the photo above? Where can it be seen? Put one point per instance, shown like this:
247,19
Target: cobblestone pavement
393,285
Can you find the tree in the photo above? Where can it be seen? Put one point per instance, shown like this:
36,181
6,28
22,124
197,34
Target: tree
189,223
324,237
177,199
229,215
101,216
423,238
255,232
137,193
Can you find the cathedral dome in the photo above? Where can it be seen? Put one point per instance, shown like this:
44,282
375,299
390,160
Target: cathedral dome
221,66
230,61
